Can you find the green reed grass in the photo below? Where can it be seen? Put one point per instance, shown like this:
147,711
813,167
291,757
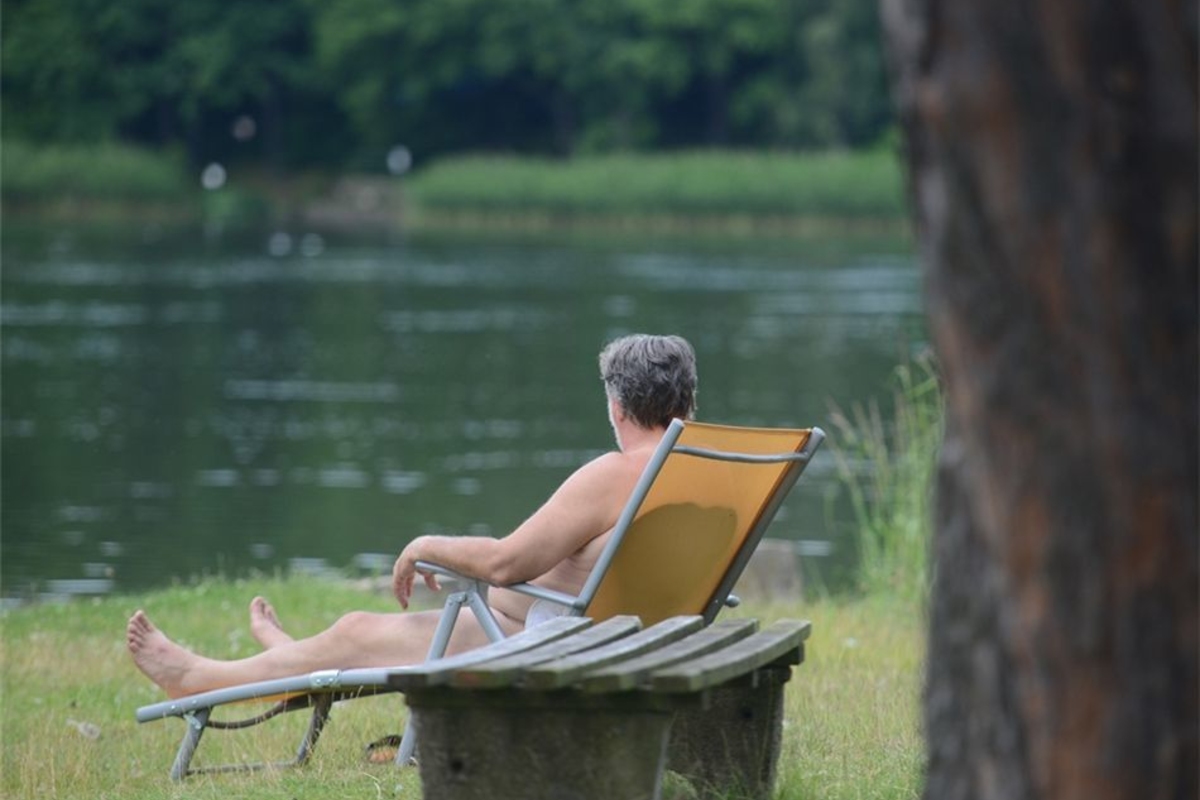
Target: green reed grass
849,185
886,462
851,727
108,171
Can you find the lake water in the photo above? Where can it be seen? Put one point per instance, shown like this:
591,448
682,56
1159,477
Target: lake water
175,405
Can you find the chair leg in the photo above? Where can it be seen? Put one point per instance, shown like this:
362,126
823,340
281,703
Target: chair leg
445,626
195,725
316,724
477,599
408,744
437,649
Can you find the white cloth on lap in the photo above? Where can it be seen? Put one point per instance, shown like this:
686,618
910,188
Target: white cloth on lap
543,611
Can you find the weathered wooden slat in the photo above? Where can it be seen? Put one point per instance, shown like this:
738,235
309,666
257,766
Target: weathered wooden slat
629,674
782,642
566,671
500,672
421,675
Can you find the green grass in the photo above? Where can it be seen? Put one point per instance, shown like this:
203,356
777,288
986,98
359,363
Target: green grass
851,727
852,724
849,186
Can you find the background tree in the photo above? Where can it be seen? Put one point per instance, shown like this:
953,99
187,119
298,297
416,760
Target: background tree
168,74
1053,159
340,82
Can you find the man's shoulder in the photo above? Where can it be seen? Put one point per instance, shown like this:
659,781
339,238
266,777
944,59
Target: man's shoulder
615,464
607,462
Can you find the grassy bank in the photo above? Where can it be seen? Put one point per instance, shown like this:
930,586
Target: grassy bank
105,181
851,727
111,183
764,188
729,192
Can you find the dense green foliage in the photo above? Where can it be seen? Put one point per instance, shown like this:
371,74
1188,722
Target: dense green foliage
342,82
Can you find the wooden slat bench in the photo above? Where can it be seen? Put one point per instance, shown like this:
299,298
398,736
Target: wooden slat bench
604,710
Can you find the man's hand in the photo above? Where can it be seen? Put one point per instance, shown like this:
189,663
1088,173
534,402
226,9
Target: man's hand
404,573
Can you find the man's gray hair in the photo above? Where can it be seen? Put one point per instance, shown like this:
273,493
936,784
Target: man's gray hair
653,378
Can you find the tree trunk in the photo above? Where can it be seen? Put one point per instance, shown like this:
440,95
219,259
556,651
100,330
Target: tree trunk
1053,173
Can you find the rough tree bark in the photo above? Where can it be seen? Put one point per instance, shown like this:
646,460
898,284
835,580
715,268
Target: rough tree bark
1052,149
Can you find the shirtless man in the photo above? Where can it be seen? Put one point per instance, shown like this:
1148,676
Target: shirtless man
649,380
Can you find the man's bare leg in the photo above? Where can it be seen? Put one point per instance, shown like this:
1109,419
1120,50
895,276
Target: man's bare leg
265,626
359,639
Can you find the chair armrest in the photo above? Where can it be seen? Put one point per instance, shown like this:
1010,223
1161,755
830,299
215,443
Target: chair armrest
429,566
561,598
527,589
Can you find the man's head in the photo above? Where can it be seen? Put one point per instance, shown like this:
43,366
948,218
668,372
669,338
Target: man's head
652,378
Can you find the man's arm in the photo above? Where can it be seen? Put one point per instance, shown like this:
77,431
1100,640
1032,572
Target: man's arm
586,505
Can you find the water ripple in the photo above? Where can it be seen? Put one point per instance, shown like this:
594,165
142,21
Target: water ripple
57,312
315,391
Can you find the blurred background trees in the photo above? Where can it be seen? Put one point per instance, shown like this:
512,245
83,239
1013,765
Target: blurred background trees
338,83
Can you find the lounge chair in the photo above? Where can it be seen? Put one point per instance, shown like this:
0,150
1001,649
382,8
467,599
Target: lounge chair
682,541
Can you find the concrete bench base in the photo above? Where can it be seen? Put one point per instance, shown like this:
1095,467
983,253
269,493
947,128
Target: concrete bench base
730,747
574,721
540,753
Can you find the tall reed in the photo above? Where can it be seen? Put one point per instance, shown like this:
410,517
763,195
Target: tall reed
886,463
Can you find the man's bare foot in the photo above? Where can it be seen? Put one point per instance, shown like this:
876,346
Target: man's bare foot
160,659
265,626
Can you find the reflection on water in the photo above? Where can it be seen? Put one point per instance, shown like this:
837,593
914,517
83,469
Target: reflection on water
176,410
